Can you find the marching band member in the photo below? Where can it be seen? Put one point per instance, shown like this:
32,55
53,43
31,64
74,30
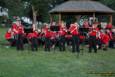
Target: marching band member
75,37
105,40
92,40
18,32
62,33
47,35
109,26
9,37
33,40
86,23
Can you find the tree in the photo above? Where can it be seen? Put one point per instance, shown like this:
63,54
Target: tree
111,4
43,6
15,7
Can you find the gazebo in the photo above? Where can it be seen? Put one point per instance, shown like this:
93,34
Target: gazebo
81,7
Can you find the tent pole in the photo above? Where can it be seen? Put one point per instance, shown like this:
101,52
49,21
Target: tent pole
94,17
51,19
110,19
59,18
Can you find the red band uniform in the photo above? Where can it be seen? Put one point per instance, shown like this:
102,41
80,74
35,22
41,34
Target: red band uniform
105,40
92,41
75,37
47,40
62,33
18,32
33,38
9,37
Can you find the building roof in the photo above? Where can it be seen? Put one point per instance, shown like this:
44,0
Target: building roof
80,7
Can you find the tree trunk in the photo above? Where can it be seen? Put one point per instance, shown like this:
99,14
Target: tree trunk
34,18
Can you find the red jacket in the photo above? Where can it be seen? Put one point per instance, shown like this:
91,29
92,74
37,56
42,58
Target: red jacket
109,26
110,35
35,34
73,29
86,24
20,30
48,34
62,31
105,39
92,33
68,36
8,35
82,37
15,29
53,34
44,29
32,35
29,35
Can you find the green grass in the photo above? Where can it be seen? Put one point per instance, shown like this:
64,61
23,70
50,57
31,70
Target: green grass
53,64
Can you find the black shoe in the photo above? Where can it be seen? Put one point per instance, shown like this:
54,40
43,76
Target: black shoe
73,51
105,49
89,52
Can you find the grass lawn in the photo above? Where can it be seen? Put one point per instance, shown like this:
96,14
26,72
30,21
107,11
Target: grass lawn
54,64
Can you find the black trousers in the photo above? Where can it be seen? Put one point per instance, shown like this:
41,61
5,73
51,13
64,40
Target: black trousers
47,44
75,43
99,43
19,41
112,43
34,44
12,42
62,43
68,41
92,43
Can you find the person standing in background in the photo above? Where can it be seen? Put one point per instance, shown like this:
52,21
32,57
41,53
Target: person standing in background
74,30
